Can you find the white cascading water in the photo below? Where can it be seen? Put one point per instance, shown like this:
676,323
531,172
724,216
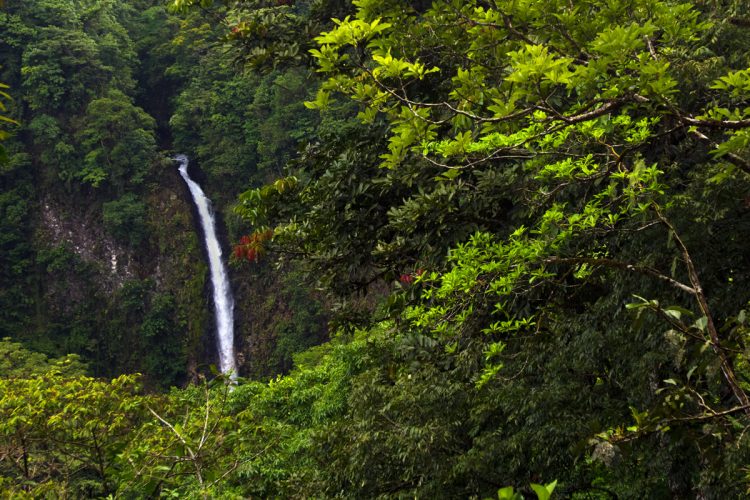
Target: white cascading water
223,300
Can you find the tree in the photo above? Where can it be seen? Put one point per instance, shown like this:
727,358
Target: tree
62,71
125,218
188,448
75,66
4,120
18,362
572,169
119,140
63,434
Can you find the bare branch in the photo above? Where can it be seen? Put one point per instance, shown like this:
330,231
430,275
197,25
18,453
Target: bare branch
204,433
712,414
732,157
713,333
193,456
716,124
621,265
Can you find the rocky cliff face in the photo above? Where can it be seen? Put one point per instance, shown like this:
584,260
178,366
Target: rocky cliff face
147,308
84,236
124,308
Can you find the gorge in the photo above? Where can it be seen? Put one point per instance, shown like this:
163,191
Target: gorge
222,296
479,249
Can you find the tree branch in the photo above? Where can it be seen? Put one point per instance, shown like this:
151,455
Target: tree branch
193,457
735,159
621,265
713,333
716,124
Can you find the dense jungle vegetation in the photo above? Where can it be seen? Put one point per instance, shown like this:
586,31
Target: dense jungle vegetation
480,248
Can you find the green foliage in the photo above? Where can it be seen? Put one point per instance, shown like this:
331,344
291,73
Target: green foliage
536,173
18,362
119,141
125,219
185,449
251,142
63,434
73,68
548,217
5,121
162,332
286,323
149,323
269,34
543,492
16,257
242,129
61,72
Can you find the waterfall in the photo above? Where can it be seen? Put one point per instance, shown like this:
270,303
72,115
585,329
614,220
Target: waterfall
223,300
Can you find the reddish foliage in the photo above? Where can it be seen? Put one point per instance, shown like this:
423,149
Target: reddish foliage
251,247
409,278
406,279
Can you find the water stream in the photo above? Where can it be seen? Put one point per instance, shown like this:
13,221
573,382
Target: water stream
223,299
